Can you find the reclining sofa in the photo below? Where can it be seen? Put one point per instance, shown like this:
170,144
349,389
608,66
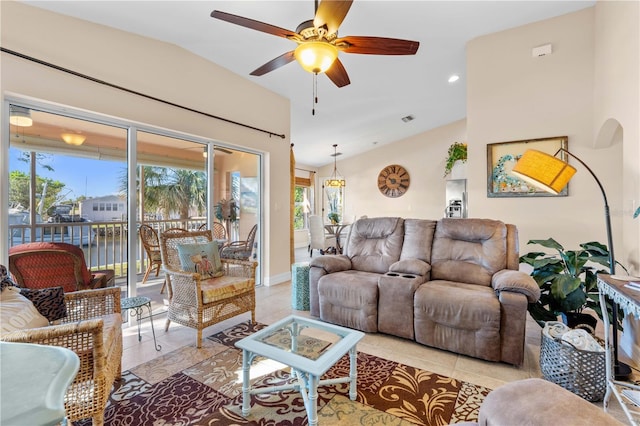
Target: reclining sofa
451,284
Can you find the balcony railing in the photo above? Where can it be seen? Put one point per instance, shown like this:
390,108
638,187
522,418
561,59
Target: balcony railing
104,243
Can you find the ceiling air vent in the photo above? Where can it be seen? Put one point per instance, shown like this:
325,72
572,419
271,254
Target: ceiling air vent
408,118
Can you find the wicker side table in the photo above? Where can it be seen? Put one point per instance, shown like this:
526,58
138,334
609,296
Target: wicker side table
300,286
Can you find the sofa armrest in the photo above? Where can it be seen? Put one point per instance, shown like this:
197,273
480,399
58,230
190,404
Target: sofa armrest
332,263
517,282
411,266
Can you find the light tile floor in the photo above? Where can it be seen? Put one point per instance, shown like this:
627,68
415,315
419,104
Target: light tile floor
274,303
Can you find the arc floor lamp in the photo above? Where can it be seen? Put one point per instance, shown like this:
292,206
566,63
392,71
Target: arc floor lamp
550,173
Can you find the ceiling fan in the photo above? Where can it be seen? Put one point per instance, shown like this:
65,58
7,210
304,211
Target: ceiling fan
319,44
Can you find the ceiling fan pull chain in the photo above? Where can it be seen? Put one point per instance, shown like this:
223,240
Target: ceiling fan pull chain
315,93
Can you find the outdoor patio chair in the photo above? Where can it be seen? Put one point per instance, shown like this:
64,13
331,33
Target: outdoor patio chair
151,244
43,265
202,296
242,250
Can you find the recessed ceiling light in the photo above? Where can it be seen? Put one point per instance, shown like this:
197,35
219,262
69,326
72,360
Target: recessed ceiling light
454,78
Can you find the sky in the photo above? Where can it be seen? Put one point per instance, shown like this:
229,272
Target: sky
81,176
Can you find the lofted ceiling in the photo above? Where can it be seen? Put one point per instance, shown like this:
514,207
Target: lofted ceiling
384,89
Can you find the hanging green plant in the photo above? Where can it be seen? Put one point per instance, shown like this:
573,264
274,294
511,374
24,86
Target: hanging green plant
457,151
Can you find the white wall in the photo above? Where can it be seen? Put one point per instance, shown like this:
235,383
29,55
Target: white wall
423,156
617,98
158,69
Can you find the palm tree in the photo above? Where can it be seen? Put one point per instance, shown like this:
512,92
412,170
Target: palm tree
171,190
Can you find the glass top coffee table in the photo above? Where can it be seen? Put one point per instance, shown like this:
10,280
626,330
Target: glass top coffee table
310,348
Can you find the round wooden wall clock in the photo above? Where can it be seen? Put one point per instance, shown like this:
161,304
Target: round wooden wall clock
393,181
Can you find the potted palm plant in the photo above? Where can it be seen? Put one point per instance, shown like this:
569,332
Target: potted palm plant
568,282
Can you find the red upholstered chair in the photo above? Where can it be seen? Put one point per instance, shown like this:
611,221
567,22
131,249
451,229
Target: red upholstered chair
42,265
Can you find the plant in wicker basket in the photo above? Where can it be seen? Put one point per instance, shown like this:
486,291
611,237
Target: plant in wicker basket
567,281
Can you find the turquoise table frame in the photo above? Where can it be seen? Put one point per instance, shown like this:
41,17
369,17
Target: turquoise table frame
305,370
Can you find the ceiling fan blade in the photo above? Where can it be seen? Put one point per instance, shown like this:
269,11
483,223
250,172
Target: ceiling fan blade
338,74
377,45
273,64
253,24
331,13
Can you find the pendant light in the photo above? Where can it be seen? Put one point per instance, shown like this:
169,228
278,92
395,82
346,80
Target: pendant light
336,180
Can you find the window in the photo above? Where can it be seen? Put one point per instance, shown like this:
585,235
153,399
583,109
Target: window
302,204
95,207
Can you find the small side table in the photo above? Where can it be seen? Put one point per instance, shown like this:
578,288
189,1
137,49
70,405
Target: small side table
300,286
135,304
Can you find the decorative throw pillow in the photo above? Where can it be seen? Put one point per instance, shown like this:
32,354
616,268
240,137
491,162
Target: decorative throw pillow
48,301
17,312
5,279
202,258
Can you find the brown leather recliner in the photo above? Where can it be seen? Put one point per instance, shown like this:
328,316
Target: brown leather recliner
453,284
46,264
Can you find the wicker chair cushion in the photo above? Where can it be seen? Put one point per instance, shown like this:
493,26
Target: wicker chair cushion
18,313
202,258
224,287
48,301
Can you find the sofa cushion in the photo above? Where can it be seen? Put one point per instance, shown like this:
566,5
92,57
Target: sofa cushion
418,238
350,298
469,250
17,312
375,243
459,317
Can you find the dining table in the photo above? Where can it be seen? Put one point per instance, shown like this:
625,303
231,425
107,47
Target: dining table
336,229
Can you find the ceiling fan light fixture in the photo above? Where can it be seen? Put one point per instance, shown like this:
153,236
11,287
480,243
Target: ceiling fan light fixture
74,139
20,116
316,56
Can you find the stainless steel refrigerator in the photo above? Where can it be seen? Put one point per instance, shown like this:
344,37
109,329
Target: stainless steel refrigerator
456,198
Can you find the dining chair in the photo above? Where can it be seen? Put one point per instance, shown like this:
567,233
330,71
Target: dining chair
318,238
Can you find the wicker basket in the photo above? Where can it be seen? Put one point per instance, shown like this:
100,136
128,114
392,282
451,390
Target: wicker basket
581,372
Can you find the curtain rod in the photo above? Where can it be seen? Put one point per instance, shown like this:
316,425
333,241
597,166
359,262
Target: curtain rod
115,86
305,170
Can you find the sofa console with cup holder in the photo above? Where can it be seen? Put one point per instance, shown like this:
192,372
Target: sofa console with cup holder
452,284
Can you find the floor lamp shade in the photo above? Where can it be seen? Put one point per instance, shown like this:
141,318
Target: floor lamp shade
544,171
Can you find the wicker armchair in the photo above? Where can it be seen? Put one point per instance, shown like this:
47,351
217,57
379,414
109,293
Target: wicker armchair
46,264
93,330
234,291
240,249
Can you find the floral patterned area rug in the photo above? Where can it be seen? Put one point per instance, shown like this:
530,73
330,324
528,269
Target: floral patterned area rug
192,386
